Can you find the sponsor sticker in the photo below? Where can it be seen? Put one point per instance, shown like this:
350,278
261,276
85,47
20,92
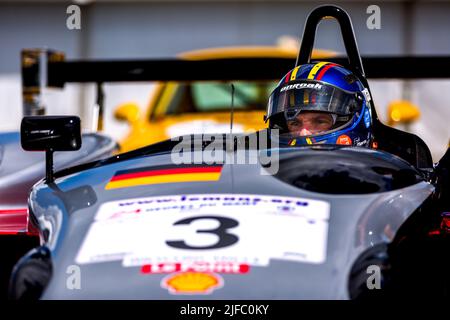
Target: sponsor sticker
366,94
302,85
344,139
217,232
367,118
196,266
192,283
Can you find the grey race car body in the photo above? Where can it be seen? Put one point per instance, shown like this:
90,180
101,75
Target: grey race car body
351,224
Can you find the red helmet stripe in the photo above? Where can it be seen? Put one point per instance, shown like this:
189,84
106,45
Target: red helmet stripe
325,69
288,77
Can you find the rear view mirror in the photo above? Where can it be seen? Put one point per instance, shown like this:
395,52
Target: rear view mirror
128,112
49,134
54,133
402,112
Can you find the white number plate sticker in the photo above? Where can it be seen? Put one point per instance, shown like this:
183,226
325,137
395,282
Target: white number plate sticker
239,228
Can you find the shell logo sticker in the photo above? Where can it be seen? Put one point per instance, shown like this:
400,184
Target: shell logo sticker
344,139
192,283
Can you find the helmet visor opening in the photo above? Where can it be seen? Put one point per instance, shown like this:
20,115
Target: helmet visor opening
299,96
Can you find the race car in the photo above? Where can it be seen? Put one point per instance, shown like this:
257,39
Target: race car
178,108
239,216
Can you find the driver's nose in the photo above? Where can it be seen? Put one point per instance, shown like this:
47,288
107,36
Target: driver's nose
305,132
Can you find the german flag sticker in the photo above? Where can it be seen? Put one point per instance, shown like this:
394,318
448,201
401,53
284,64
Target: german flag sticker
164,174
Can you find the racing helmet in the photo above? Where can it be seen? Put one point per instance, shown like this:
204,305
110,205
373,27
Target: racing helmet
318,103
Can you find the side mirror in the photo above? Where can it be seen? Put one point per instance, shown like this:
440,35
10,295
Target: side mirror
402,111
50,134
128,112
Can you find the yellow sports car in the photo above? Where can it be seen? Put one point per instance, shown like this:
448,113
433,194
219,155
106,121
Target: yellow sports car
204,107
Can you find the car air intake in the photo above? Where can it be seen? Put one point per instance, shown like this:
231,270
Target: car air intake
345,171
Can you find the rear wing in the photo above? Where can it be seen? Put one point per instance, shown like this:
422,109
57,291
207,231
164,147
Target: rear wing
47,68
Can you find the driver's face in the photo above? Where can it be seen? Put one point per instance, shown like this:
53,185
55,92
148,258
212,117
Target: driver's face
310,122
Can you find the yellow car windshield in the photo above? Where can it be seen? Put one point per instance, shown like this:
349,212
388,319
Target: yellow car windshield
207,96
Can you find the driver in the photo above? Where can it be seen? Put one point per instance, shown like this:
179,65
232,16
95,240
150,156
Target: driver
309,123
321,103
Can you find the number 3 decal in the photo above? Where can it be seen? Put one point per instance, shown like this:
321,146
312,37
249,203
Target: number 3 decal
225,239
